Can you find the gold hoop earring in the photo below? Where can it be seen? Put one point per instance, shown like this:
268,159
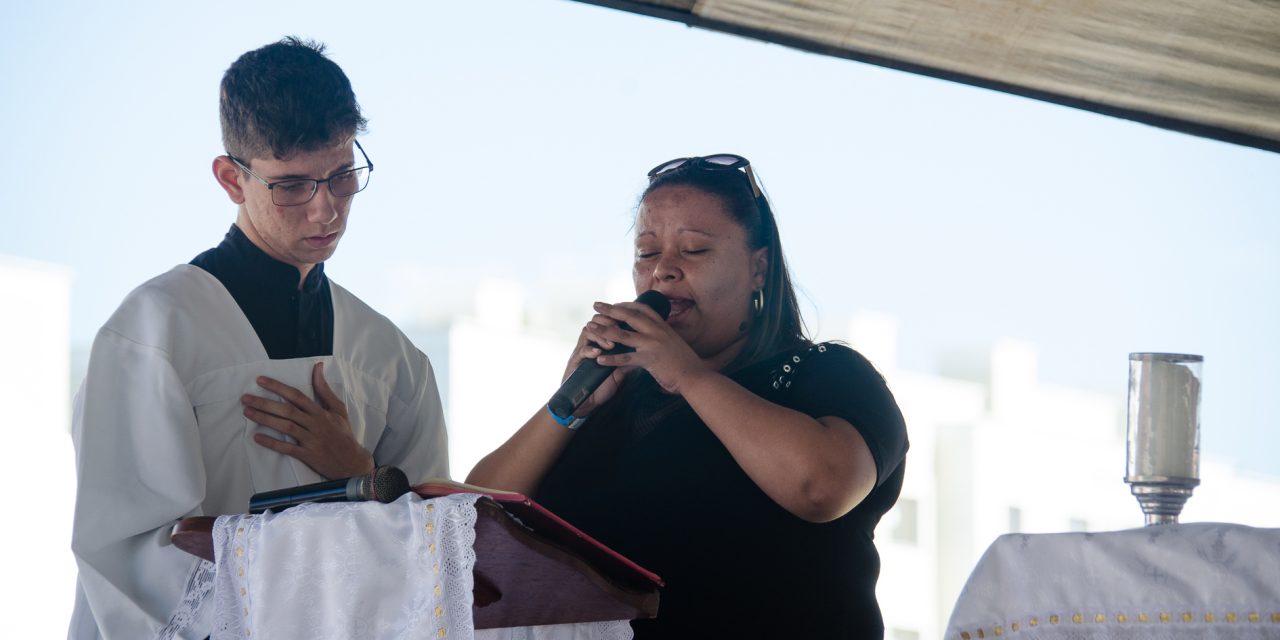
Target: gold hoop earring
757,300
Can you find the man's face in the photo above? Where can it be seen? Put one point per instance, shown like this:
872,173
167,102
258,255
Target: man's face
300,235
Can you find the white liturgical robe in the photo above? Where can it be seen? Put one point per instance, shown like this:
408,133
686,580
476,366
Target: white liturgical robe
160,435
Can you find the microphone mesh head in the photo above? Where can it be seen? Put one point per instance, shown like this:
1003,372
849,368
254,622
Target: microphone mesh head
657,302
389,483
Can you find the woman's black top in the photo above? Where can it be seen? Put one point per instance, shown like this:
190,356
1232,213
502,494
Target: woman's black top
646,477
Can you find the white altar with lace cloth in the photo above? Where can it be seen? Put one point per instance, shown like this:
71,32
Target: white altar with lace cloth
361,571
1176,581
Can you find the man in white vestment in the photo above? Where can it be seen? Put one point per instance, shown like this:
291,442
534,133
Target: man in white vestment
246,370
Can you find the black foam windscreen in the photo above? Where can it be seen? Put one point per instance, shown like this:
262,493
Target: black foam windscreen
388,484
657,302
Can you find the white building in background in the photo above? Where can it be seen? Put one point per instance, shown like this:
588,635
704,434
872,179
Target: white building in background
35,371
996,451
993,450
492,370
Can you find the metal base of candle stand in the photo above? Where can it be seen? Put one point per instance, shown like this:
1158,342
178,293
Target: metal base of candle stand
1162,499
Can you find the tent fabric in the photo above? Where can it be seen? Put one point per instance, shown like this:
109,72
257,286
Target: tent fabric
1206,67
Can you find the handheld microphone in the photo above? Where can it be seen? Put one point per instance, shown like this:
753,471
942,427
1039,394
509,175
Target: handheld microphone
590,375
383,484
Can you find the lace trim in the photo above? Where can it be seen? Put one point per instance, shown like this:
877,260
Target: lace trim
458,539
616,630
227,622
199,586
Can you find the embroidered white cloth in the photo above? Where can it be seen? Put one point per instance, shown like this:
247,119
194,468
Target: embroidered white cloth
1171,582
360,571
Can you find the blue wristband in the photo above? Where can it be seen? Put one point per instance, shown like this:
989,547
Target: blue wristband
571,422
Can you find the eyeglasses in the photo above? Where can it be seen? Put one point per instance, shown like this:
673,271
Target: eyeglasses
296,191
717,162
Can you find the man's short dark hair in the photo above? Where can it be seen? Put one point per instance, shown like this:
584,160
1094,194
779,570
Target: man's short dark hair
285,98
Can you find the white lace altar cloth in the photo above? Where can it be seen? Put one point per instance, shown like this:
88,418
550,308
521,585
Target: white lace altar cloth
360,571
1171,582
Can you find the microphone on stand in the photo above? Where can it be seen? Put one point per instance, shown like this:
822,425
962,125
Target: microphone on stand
590,375
383,484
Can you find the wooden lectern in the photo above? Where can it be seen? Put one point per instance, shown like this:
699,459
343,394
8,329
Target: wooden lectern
532,568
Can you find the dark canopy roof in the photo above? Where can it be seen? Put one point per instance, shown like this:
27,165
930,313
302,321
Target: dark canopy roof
1205,67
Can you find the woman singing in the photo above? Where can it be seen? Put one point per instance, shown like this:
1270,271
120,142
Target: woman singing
728,453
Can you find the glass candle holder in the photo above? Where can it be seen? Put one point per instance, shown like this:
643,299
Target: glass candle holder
1163,466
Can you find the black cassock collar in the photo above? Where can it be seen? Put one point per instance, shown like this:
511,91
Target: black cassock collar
290,322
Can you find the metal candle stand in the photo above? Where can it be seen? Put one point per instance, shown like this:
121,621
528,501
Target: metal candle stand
1163,465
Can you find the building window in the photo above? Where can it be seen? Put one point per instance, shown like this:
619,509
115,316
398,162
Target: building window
905,529
1015,520
905,634
1077,524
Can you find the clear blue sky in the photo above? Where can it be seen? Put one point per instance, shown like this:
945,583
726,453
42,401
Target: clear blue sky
512,137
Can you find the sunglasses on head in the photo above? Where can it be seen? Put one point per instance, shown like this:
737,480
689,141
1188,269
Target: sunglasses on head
717,162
